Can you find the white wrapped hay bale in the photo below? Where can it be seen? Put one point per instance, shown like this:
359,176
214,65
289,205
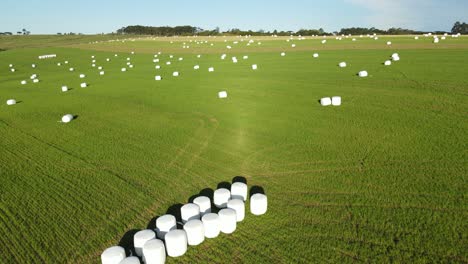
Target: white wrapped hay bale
130,66
66,62
211,224
164,224
238,206
388,63
11,65
33,76
342,64
123,69
157,78
12,70
175,74
283,54
220,197
258,204
113,255
416,38
324,41
211,69
11,102
130,260
245,57
196,67
198,56
227,220
140,238
168,63
93,65
181,59
389,43
363,74
316,55
157,67
326,101
239,191
71,69
254,67
35,80
101,73
293,45
82,76
107,59
83,85
204,204
336,100
23,82
234,60
33,65
176,243
195,232
436,40
99,68
59,64
189,212
154,252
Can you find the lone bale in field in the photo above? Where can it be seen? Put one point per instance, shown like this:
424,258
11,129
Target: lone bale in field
71,69
67,118
342,64
11,102
196,67
222,94
254,66
101,73
64,88
258,204
82,76
195,232
124,69
245,57
140,238
113,255
389,43
35,80
83,85
157,78
175,74
316,55
211,69
228,220
283,54
176,243
363,74
336,100
154,252
324,41
326,101
23,82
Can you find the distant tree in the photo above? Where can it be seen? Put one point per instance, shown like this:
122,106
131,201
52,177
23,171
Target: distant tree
461,28
19,32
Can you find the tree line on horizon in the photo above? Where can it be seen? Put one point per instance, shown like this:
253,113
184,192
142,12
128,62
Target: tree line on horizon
167,31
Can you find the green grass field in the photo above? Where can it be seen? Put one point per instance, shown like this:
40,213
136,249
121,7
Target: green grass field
382,178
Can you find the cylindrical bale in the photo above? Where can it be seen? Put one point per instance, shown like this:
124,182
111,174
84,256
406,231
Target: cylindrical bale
222,94
326,101
363,74
175,74
195,232
67,118
176,243
101,73
204,203
238,206
23,82
140,238
336,100
189,212
211,225
342,64
221,197
239,191
82,76
113,255
164,224
154,252
258,204
64,88
83,85
388,63
157,77
11,102
211,69
254,67
130,260
227,220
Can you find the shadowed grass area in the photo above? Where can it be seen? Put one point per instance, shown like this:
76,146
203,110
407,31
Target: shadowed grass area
381,178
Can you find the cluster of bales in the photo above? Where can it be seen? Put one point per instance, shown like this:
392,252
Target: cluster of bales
198,222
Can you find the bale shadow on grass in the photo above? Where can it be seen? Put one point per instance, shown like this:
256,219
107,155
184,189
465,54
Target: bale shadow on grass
175,211
239,179
256,189
75,117
225,185
127,242
152,223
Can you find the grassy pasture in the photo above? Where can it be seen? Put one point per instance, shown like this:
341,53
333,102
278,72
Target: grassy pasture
382,178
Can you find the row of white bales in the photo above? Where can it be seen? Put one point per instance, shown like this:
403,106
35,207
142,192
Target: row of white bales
152,246
222,94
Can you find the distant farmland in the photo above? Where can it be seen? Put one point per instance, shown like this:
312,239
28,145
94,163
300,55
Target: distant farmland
381,178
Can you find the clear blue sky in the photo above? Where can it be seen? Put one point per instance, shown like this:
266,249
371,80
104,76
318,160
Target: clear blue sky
88,16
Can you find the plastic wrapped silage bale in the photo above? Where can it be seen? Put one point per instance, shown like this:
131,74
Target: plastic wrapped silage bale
113,255
195,232
164,224
239,191
227,220
238,206
220,197
154,252
140,238
204,204
176,243
258,204
326,101
189,212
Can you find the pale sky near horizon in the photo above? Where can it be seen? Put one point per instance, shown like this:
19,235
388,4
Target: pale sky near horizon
105,16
